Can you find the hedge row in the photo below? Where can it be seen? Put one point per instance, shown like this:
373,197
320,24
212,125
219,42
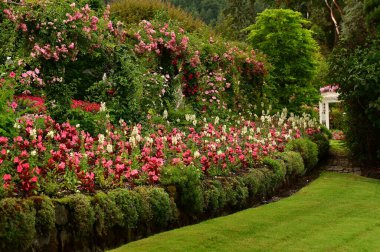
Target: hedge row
80,222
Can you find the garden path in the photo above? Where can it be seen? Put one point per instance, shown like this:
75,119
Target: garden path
340,160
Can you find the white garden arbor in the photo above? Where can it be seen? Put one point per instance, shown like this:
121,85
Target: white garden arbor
329,95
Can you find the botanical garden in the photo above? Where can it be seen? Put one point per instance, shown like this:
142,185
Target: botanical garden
203,125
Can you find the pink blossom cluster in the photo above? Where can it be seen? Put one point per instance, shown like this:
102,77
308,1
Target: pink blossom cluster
31,76
329,88
157,42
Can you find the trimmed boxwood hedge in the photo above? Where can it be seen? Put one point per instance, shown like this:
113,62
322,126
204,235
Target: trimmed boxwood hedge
92,219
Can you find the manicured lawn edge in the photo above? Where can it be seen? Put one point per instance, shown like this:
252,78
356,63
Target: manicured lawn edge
106,220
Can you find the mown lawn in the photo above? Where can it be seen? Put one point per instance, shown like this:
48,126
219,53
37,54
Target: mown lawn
337,212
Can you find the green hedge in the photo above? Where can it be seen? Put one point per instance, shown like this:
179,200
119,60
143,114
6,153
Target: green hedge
92,218
308,150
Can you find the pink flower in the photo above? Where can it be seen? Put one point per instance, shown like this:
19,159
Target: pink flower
13,105
7,177
33,180
12,74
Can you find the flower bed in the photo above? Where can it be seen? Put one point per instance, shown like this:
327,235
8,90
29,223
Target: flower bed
136,180
105,220
48,158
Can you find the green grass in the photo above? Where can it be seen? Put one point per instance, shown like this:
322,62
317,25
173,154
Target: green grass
337,212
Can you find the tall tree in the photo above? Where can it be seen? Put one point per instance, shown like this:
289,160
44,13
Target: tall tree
281,34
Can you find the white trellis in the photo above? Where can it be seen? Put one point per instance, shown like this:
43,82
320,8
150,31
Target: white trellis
324,109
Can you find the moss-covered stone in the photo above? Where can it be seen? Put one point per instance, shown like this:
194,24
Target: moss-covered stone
17,224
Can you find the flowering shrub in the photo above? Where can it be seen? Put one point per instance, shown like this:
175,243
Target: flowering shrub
46,152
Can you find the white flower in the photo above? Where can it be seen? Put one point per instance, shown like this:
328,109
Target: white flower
132,141
216,120
101,138
33,153
109,148
102,107
33,134
174,140
138,138
17,126
77,126
219,152
165,115
135,131
197,154
50,134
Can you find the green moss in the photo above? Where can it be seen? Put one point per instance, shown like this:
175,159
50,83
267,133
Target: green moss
307,149
17,224
45,215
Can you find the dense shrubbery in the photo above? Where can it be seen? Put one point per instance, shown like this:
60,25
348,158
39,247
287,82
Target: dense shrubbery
151,208
307,149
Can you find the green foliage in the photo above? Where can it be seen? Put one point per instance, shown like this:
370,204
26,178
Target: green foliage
358,73
134,11
291,50
82,213
188,184
326,131
252,181
236,16
214,196
293,162
107,213
353,23
323,144
126,201
338,117
278,167
307,149
159,202
207,10
17,224
236,192
91,122
7,116
123,89
372,10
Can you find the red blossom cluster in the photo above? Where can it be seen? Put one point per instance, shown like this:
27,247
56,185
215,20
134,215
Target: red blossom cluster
38,103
